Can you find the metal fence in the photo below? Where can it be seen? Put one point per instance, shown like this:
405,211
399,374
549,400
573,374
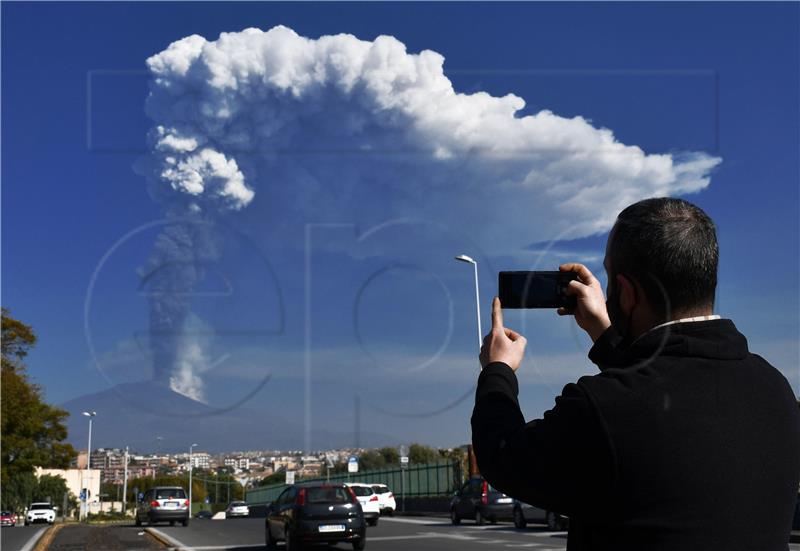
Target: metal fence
423,480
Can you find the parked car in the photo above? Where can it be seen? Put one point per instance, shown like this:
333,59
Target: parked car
163,504
7,518
40,512
315,513
479,501
369,500
237,509
203,514
524,513
386,500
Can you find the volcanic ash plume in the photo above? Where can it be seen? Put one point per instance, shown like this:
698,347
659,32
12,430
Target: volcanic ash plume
338,127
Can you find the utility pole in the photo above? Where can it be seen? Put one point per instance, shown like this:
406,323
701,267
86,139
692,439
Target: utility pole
125,483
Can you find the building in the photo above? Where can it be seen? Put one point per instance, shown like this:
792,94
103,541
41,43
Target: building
201,460
237,462
76,479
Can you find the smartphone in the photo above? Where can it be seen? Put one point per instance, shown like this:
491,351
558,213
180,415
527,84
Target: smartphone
535,289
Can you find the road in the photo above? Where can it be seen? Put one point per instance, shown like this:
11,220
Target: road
20,538
391,534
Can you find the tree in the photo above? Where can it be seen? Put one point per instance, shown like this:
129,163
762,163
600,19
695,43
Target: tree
32,431
417,453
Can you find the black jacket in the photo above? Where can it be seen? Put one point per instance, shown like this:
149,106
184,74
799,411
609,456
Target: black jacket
683,441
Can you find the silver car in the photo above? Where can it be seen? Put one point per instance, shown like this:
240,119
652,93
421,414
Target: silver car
163,504
237,509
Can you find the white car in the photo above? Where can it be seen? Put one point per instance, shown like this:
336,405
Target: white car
40,512
237,509
369,501
386,501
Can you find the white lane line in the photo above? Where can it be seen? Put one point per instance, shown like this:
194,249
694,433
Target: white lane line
33,540
173,542
392,538
178,545
414,521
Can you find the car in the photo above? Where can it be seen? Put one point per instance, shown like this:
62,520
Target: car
525,513
203,514
386,500
369,500
40,512
315,512
237,509
163,504
7,518
479,501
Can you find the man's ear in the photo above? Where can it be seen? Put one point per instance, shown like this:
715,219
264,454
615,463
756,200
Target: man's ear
627,294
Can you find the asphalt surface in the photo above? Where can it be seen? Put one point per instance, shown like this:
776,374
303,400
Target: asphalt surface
113,537
19,538
391,534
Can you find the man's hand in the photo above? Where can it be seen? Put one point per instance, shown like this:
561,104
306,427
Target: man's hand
590,312
502,344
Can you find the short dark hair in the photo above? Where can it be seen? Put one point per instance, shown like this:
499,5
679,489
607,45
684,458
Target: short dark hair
670,247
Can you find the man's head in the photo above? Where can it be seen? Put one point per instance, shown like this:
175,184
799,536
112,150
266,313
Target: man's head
661,261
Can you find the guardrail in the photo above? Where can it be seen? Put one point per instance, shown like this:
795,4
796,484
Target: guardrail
423,480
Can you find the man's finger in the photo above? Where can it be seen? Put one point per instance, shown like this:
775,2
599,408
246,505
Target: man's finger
511,334
583,272
497,314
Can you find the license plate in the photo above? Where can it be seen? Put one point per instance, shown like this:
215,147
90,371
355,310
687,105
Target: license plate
331,528
505,500
171,504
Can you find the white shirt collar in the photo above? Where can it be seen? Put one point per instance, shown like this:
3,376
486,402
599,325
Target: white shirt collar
685,320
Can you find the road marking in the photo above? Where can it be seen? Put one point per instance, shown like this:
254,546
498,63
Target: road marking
414,521
33,540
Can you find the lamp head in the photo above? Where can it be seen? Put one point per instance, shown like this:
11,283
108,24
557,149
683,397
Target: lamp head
90,413
465,258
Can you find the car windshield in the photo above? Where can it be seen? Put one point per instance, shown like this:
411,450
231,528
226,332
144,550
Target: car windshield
238,504
40,506
380,489
362,490
171,493
328,495
5,513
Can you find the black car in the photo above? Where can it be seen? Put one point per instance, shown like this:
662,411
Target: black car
524,513
315,513
479,501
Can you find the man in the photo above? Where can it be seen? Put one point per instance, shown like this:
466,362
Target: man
685,440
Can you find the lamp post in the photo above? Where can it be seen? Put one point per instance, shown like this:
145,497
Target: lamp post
191,466
468,260
90,415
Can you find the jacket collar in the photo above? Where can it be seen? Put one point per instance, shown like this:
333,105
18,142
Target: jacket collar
713,339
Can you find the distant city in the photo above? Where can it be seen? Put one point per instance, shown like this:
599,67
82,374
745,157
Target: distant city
247,467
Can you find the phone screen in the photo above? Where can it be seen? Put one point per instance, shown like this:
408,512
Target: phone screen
535,289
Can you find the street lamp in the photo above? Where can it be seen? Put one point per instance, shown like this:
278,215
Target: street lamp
191,465
90,415
468,260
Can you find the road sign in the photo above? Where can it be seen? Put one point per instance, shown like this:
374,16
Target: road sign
289,477
352,464
404,462
83,494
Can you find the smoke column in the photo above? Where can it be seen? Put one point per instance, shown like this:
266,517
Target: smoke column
307,129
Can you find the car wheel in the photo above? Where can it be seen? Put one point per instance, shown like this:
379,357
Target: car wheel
454,518
138,521
372,522
292,543
479,520
271,543
519,519
493,520
172,523
553,522
185,522
361,542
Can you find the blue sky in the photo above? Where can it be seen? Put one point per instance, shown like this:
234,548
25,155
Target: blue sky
716,78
